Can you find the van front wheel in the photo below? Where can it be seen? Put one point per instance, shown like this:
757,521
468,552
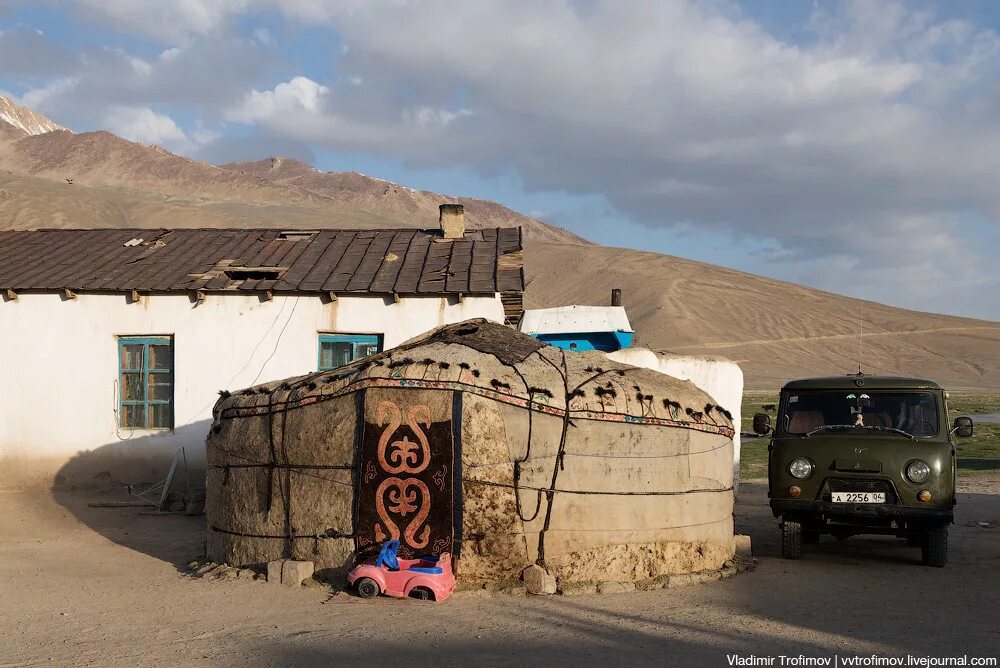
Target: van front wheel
791,540
935,547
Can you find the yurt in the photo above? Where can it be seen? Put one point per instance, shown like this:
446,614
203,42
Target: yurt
483,442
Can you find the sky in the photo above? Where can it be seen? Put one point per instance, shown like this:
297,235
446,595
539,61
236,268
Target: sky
848,146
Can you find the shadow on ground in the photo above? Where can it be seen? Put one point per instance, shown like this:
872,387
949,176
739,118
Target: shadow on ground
104,476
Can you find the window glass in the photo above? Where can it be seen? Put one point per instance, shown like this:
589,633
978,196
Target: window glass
132,387
159,387
146,382
336,354
133,416
131,357
336,350
840,410
366,349
161,357
159,416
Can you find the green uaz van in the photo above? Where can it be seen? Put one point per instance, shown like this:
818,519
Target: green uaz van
863,455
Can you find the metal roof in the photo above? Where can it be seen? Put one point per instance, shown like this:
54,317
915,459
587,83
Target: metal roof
404,262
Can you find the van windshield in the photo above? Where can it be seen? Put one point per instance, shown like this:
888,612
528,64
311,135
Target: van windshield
914,413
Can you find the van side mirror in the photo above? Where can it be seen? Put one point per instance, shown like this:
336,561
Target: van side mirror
963,427
761,423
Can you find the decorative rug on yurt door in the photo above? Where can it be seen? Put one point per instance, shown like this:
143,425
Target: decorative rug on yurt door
407,472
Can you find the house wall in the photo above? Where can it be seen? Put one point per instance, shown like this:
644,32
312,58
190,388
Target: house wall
605,341
58,379
720,378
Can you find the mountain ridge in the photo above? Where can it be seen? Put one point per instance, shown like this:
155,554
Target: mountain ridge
24,119
774,329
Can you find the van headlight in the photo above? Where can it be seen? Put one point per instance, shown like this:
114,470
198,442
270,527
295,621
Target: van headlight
918,471
800,468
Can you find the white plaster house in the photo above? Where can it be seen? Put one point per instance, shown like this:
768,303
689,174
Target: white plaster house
117,342
607,328
721,378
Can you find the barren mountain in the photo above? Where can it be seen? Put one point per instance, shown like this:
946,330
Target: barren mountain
393,201
25,119
775,330
145,184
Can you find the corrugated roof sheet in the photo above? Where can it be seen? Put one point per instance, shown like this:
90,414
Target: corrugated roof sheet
405,262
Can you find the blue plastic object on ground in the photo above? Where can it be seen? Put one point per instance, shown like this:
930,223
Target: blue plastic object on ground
387,557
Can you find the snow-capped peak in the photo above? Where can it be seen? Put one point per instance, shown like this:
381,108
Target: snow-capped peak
25,119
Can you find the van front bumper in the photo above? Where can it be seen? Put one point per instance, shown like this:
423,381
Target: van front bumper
879,511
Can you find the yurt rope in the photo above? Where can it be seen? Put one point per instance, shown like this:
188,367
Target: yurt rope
290,544
329,533
527,453
310,381
270,444
615,456
559,463
552,490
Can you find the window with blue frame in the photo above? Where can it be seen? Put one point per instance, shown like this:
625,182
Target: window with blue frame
340,349
146,382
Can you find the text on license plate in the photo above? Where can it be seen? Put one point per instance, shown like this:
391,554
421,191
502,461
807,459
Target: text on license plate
859,497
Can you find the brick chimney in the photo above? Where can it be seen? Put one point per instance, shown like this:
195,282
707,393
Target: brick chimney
452,219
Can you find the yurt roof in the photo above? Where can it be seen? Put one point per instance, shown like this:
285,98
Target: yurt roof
505,365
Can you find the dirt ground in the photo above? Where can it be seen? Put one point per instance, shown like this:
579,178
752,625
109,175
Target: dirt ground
106,587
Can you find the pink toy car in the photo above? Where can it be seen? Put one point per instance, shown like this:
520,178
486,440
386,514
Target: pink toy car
427,578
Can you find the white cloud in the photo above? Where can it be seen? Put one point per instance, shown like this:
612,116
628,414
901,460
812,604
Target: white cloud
40,99
862,149
885,124
263,35
426,117
301,94
105,78
145,126
173,20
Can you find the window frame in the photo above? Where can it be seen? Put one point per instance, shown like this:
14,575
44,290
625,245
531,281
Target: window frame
145,341
354,339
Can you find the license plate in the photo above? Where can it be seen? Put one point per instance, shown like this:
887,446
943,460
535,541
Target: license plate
859,497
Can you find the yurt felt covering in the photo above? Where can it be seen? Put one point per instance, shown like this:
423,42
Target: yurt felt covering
481,441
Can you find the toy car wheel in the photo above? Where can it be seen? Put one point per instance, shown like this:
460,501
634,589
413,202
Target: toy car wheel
423,593
367,588
935,547
791,540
